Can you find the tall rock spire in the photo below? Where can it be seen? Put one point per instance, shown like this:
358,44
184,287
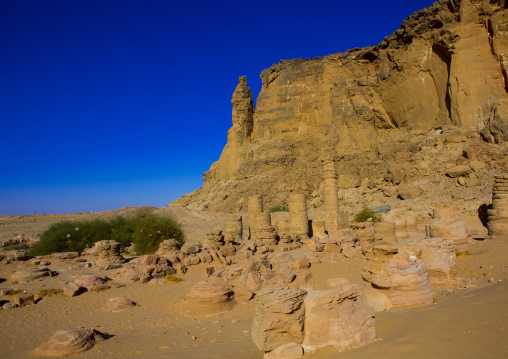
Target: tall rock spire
243,111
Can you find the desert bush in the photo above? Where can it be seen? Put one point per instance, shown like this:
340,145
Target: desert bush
14,247
146,231
462,254
278,209
366,213
173,279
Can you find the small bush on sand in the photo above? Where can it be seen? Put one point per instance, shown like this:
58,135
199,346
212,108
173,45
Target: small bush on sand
459,253
173,279
15,247
278,209
366,213
145,231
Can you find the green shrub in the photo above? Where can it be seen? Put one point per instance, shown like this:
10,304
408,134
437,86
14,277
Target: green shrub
173,279
278,209
15,247
366,213
462,254
145,231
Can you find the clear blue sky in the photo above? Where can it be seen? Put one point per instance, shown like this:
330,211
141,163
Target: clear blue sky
112,103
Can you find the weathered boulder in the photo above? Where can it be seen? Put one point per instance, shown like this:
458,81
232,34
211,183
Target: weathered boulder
22,300
279,318
458,171
118,304
337,317
128,275
208,298
71,289
15,255
71,340
395,278
29,275
91,282
410,192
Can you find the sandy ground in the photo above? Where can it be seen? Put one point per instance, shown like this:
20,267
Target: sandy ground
466,322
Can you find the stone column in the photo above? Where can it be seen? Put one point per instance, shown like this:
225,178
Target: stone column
254,206
298,220
330,184
234,228
498,215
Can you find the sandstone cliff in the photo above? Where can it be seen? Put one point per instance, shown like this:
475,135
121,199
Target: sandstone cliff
394,116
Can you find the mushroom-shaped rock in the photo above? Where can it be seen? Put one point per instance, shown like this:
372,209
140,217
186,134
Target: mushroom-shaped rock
118,304
70,340
207,298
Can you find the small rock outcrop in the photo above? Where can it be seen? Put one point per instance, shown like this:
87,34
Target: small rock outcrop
71,340
208,297
118,304
91,282
29,275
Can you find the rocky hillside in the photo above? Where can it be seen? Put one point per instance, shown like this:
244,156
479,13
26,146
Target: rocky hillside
422,116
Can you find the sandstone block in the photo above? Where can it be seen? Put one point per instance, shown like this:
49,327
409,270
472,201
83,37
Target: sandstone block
410,192
29,275
458,171
279,318
337,317
71,289
91,282
22,300
16,255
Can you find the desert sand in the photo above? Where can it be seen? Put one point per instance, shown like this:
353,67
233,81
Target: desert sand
469,321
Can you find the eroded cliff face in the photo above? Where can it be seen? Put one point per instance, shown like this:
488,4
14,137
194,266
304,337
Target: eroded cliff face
444,71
